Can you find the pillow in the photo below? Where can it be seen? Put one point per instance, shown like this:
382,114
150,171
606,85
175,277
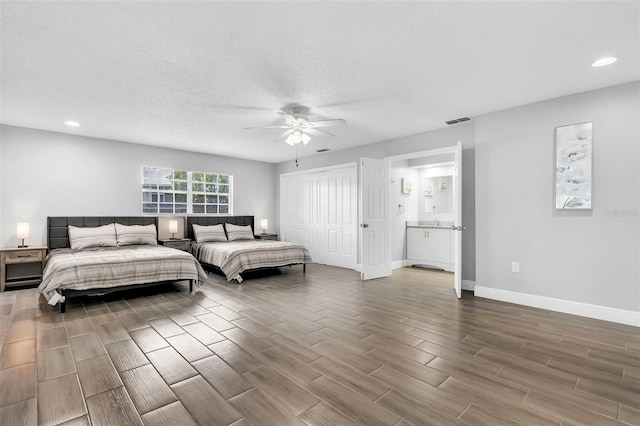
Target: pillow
236,233
101,236
205,234
136,234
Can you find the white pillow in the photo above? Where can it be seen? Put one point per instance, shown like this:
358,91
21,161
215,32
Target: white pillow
236,232
205,234
136,234
101,236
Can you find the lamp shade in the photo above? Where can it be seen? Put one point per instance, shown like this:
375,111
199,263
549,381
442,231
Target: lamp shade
264,223
22,230
173,226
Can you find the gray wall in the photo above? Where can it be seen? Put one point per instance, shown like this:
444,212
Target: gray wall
590,256
57,174
422,142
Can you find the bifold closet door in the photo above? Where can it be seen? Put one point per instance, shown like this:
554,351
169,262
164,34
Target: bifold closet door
319,211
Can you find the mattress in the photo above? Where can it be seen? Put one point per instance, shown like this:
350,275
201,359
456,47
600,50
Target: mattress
235,257
109,267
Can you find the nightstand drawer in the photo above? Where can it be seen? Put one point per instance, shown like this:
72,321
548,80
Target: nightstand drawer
177,245
273,237
183,244
24,256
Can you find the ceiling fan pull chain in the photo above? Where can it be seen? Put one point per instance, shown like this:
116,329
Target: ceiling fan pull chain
296,147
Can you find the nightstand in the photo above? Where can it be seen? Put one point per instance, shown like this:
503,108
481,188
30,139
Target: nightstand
179,243
21,265
273,237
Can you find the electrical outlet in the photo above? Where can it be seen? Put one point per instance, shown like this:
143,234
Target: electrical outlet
515,266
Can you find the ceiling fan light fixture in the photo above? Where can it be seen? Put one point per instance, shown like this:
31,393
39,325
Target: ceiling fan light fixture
305,138
296,137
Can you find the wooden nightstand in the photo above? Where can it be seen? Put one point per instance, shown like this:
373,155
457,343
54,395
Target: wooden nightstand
179,243
21,266
266,237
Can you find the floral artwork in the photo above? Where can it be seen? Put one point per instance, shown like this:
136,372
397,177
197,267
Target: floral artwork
574,166
428,189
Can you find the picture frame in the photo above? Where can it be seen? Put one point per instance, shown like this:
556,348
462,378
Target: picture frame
405,186
573,167
428,189
442,184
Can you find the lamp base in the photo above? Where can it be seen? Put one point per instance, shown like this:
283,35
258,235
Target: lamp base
264,232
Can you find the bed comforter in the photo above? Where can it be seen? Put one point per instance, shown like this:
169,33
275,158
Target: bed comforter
109,267
235,257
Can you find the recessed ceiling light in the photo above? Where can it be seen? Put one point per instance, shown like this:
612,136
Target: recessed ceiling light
604,61
71,123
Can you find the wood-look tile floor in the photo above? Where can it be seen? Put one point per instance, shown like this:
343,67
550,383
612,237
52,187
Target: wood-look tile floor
318,349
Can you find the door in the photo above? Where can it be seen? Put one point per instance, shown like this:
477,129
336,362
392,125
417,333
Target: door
319,210
458,228
374,226
340,219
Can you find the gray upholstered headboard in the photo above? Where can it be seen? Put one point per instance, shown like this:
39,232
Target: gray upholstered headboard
216,220
58,226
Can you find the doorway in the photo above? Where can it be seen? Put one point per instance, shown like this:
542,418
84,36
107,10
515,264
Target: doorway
425,210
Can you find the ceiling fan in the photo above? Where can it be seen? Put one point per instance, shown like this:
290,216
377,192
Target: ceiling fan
299,129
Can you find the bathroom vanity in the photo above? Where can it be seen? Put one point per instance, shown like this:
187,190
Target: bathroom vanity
430,245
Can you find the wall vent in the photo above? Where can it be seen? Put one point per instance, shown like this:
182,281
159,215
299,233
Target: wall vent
323,150
458,120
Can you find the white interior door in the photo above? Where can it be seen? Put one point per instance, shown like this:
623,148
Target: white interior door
457,233
319,210
340,218
374,226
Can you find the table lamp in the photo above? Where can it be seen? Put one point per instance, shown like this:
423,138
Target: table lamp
22,232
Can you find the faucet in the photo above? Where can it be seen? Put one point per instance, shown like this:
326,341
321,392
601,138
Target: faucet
437,222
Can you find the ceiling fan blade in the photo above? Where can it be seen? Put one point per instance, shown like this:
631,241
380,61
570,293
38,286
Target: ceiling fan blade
285,134
267,127
290,119
316,132
326,123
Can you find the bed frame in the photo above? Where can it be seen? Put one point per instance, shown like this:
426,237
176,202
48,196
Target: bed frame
58,237
217,220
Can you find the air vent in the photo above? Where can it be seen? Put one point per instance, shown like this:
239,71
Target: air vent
323,150
458,120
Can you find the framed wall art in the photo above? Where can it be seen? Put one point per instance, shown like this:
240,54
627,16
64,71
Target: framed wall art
428,189
442,184
405,186
574,167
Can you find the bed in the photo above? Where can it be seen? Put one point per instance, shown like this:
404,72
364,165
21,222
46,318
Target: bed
233,258
95,270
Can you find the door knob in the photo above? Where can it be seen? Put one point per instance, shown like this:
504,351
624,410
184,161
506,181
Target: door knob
365,225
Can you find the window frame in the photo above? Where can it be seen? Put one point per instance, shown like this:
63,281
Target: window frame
156,194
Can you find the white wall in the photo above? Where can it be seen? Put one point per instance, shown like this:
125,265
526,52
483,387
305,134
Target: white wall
57,174
446,137
589,257
410,211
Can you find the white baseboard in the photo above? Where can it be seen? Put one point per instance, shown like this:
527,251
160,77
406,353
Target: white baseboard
400,264
605,313
468,285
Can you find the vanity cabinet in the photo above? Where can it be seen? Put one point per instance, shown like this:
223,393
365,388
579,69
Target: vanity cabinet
430,246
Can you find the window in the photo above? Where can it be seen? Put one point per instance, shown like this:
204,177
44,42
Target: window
167,191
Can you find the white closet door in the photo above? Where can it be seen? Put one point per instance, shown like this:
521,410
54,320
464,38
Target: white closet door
340,226
314,217
319,211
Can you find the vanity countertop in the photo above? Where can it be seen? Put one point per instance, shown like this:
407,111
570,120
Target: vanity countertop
431,224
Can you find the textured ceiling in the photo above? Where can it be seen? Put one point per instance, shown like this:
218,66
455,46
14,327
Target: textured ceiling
193,75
